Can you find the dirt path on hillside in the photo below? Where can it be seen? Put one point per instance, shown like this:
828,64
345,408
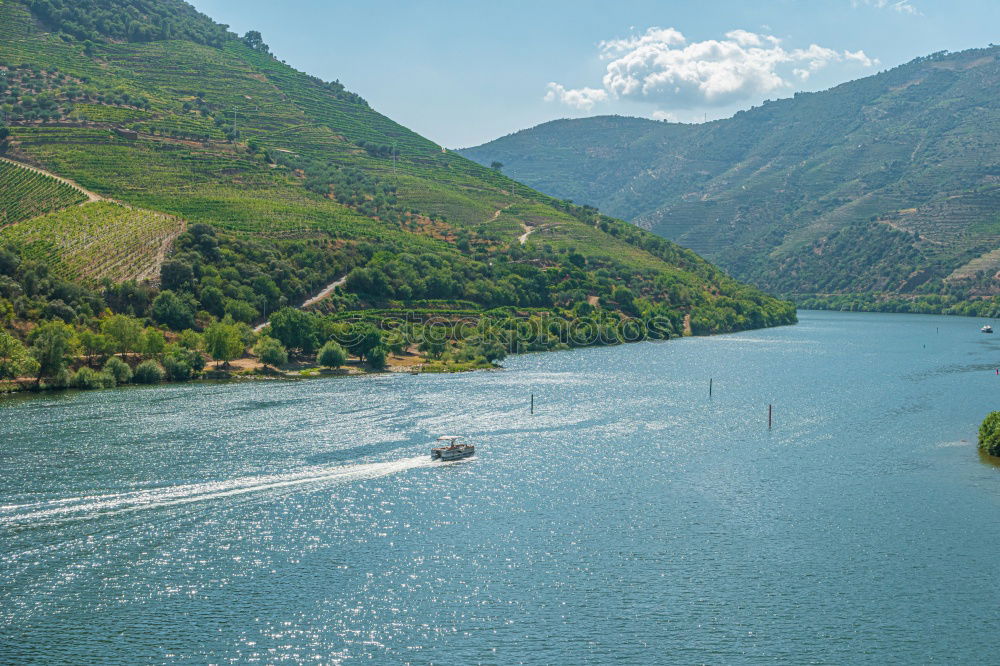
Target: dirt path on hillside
523,238
91,197
329,289
313,300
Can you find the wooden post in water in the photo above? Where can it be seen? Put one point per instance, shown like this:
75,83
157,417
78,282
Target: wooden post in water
770,412
710,388
532,403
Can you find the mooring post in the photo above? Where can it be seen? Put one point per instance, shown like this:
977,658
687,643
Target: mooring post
770,412
532,403
710,388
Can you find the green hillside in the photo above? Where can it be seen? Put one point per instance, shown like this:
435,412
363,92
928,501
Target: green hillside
885,185
25,194
286,183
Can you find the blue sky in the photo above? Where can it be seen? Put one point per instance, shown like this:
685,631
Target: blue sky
462,72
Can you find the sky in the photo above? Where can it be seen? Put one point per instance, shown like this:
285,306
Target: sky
463,72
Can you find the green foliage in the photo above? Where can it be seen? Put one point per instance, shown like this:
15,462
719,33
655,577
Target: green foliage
247,187
181,364
295,329
132,20
224,341
361,339
124,332
332,355
153,343
254,40
170,310
270,352
378,357
118,369
148,372
15,361
989,434
52,346
87,379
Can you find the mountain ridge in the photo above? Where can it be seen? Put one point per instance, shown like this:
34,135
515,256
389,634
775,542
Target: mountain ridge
905,161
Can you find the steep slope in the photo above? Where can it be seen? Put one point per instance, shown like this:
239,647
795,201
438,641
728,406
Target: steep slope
287,183
887,184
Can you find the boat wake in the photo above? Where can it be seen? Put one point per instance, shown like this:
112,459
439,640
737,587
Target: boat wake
87,507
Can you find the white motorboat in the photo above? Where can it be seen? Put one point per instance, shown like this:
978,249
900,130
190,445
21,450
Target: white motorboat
986,329
452,450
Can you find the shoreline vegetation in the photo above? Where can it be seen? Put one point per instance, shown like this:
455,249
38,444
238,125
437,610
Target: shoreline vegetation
936,304
298,344
223,187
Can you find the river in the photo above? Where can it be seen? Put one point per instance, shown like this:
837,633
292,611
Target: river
631,518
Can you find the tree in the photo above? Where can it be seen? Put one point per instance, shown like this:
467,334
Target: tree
270,352
15,361
94,344
223,341
989,434
170,310
377,357
148,372
125,332
176,275
213,300
153,343
240,310
332,355
51,346
255,40
496,166
361,339
294,329
118,369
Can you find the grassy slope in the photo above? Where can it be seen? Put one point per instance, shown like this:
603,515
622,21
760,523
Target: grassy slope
215,181
766,192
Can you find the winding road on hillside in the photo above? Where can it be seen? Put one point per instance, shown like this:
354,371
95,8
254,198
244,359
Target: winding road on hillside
313,300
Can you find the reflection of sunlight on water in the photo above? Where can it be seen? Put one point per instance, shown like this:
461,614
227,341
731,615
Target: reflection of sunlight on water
77,508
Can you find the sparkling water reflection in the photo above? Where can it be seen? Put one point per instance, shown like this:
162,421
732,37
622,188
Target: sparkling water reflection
631,518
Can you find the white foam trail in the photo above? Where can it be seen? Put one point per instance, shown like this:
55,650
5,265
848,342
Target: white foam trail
87,507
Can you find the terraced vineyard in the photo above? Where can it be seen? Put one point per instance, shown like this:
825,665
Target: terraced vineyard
295,171
95,241
25,194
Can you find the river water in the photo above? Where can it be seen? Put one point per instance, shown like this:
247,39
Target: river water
630,519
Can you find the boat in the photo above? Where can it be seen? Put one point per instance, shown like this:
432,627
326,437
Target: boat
452,450
986,329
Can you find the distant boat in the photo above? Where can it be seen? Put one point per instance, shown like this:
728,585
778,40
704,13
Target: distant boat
452,450
986,329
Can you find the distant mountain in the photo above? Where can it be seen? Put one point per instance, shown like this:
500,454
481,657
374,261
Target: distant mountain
889,184
148,143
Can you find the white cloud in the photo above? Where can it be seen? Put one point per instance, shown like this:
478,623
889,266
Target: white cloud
901,6
665,115
661,66
581,98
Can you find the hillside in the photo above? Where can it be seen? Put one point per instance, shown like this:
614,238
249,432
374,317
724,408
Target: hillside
284,184
889,184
